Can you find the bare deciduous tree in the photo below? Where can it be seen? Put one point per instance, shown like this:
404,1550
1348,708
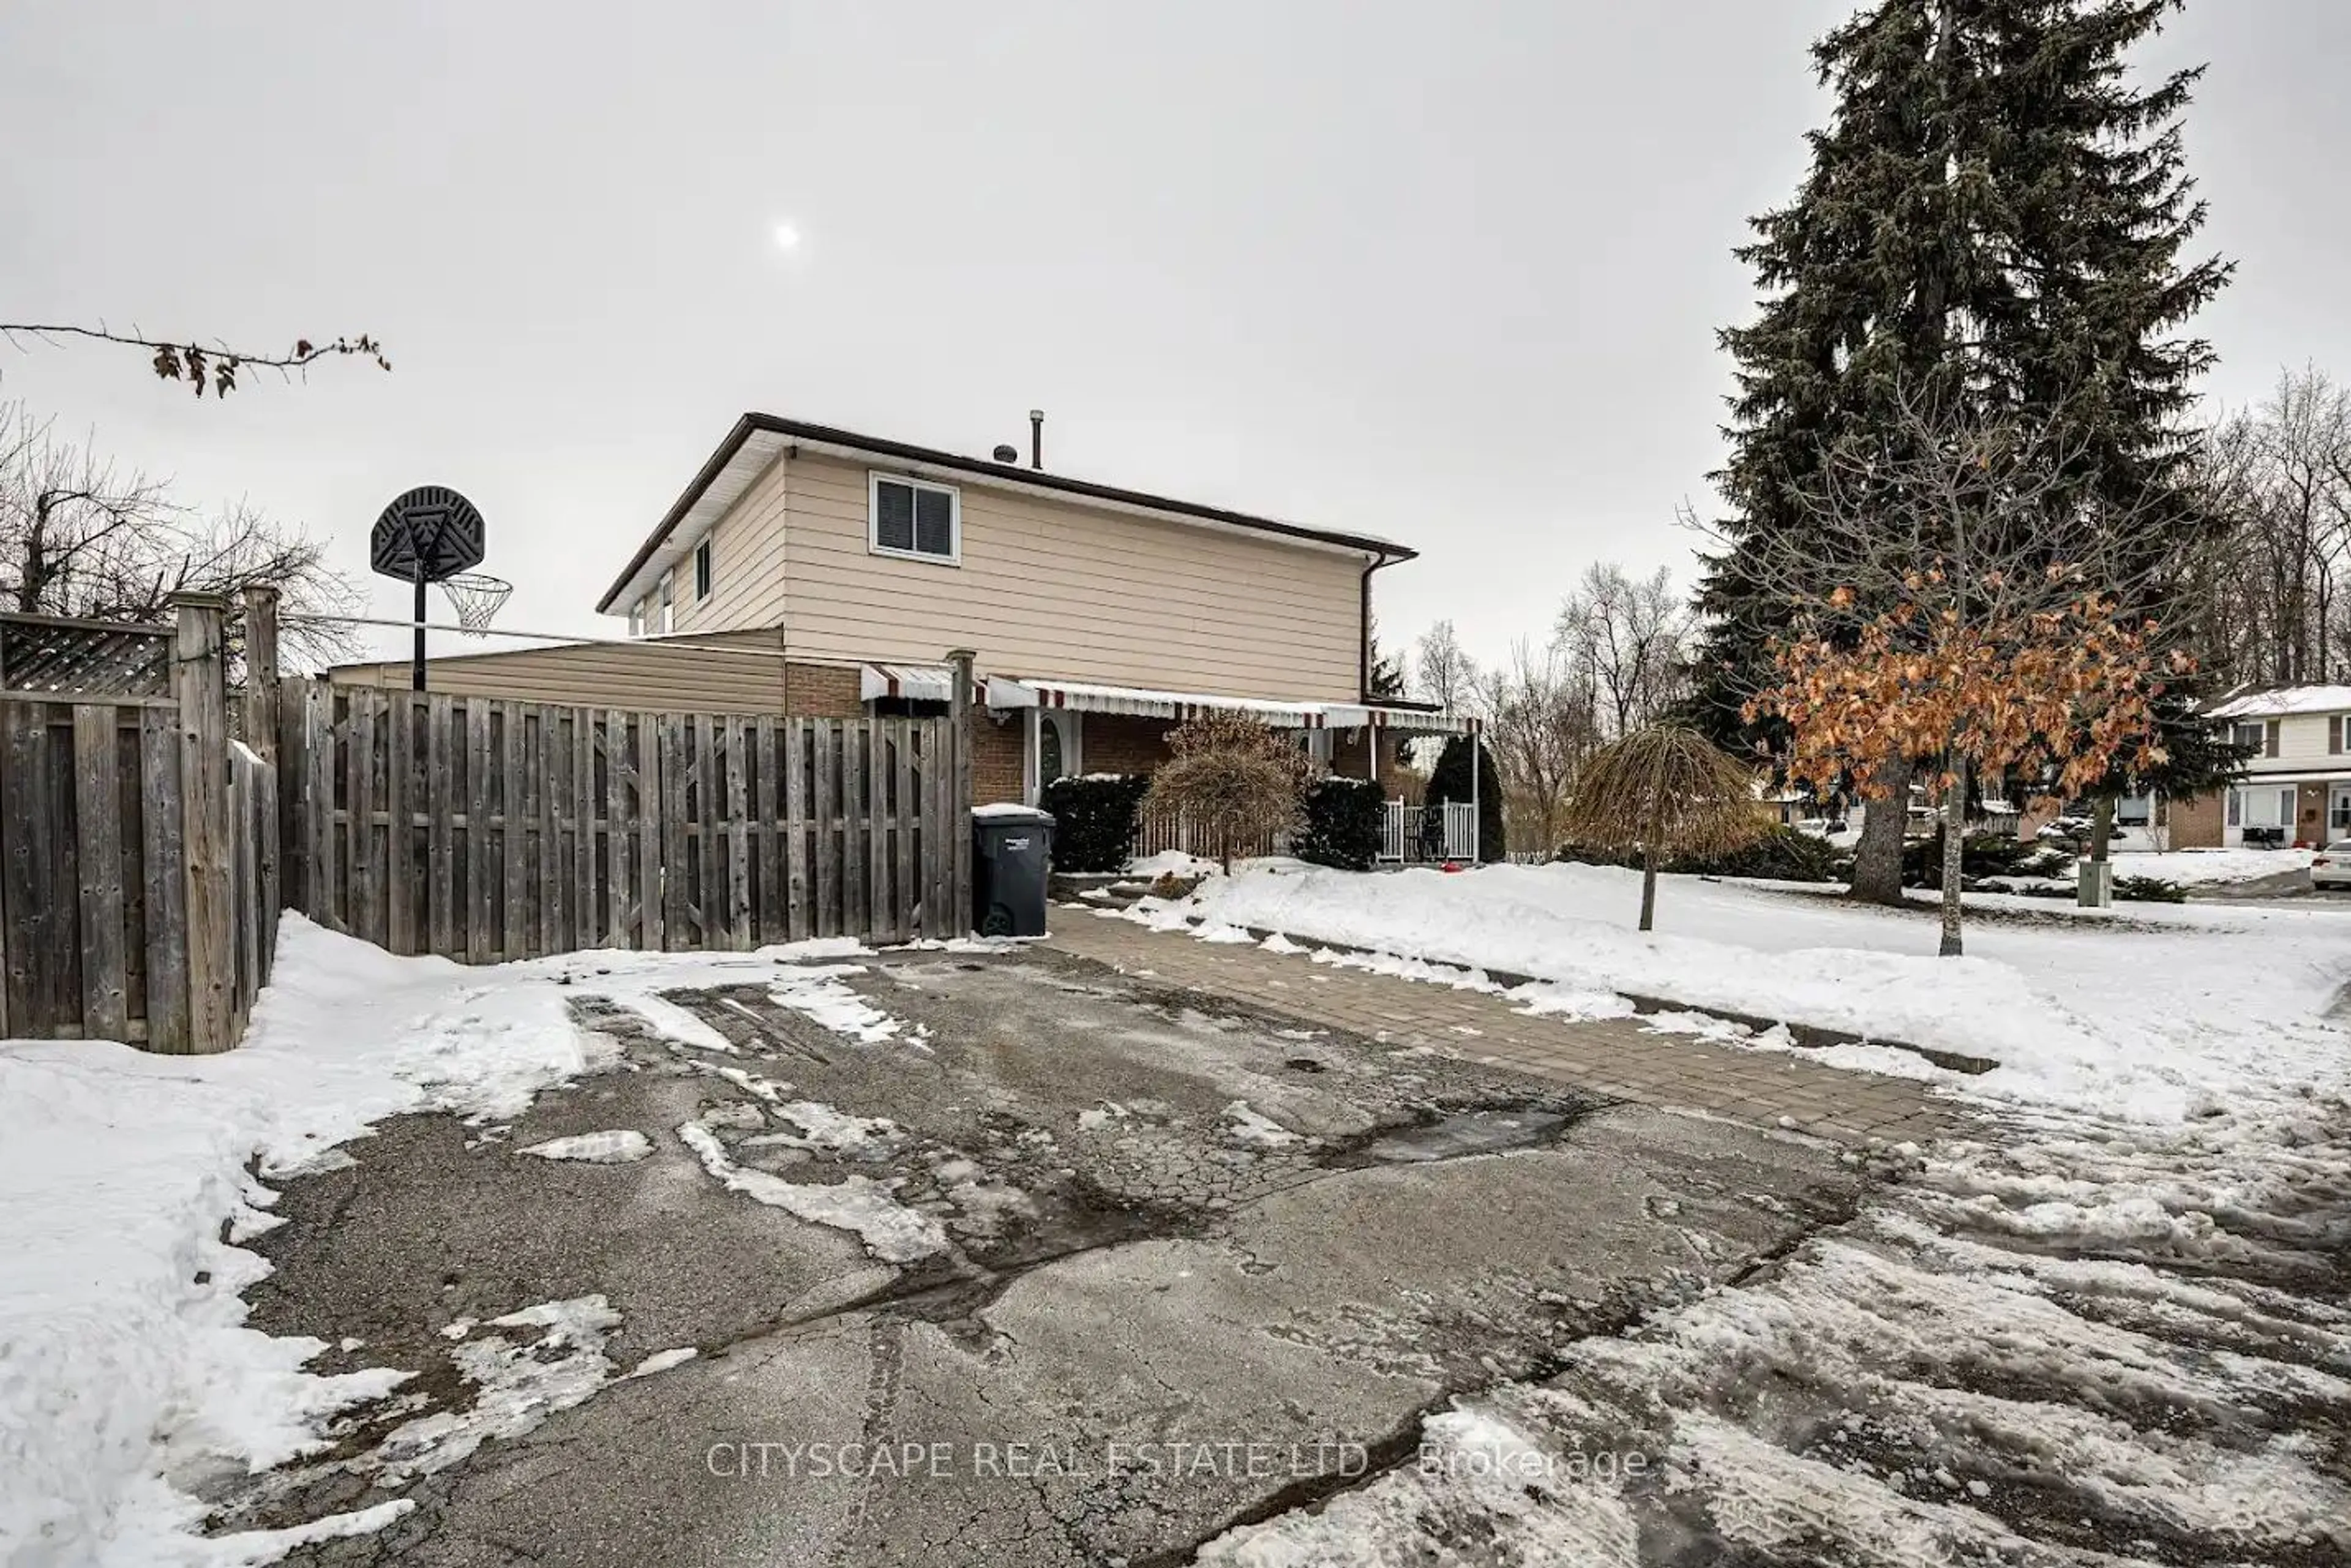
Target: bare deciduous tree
1540,727
2282,474
1629,639
1442,672
82,536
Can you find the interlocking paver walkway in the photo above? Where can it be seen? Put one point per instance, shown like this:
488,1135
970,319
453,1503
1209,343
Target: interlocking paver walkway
1616,1057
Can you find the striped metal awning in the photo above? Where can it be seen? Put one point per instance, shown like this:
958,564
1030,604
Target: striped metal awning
1083,696
915,682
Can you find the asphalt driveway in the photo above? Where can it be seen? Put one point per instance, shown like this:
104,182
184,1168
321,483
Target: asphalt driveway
1071,1268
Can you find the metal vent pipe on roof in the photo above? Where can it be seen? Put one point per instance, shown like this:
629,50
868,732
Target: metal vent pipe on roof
1035,438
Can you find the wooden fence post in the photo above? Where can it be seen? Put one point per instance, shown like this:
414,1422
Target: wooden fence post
261,675
200,684
958,909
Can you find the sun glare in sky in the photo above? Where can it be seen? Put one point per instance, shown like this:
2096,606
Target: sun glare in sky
786,237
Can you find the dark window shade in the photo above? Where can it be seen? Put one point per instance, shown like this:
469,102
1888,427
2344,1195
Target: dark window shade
893,515
934,522
2335,735
2270,739
702,570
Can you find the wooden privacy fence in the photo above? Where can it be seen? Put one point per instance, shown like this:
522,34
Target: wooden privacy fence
138,844
487,829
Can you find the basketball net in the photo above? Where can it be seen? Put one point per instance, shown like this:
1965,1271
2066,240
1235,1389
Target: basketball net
476,597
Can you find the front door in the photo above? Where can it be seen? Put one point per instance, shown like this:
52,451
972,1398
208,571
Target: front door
1057,742
2338,812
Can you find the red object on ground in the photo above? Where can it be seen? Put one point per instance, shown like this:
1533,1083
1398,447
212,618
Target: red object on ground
1450,866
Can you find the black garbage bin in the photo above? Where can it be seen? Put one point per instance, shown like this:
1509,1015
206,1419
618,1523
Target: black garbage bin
1011,851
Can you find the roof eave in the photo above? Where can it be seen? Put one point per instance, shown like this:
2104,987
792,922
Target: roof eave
752,424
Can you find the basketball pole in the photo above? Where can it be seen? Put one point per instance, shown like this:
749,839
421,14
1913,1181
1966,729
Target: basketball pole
416,669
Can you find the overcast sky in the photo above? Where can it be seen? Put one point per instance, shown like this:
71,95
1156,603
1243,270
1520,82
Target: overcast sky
1451,275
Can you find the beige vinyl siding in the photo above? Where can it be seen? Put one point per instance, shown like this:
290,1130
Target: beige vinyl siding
747,562
1044,588
699,675
2302,744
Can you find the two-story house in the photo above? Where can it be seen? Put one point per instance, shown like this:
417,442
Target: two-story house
2297,785
818,572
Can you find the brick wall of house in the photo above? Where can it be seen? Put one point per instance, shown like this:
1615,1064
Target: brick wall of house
997,768
1396,775
1125,743
822,691
2195,820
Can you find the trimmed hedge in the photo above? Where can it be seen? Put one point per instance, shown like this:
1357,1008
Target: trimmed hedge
1780,854
1344,817
1093,819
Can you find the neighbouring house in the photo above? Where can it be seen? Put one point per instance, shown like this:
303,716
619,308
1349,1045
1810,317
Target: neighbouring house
2297,785
816,572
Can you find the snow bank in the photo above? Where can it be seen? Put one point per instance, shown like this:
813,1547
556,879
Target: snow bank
125,1355
2211,868
2115,1015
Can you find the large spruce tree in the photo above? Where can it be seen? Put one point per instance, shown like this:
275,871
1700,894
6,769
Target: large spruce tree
1995,217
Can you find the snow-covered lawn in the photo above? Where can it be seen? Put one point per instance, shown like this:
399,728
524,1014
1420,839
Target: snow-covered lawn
2152,1009
2211,868
123,1354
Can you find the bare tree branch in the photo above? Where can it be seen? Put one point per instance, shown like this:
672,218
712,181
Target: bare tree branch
217,366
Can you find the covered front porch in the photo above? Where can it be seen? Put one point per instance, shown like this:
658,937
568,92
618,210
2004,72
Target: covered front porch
1031,730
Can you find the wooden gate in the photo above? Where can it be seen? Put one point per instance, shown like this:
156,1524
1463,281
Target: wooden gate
138,844
487,829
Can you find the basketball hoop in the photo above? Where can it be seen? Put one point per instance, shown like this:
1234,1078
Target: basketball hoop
475,596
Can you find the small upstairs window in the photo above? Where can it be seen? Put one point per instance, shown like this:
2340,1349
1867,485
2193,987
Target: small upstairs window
702,572
913,517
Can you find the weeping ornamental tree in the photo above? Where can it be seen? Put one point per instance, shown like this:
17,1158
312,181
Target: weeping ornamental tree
1667,791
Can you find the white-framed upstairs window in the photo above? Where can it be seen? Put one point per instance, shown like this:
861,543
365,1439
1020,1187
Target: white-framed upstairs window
666,605
636,618
914,519
702,575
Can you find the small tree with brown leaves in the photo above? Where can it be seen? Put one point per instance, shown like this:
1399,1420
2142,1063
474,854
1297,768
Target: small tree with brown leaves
1667,792
1990,694
1233,780
1977,620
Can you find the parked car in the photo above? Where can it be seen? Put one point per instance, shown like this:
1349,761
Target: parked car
2331,867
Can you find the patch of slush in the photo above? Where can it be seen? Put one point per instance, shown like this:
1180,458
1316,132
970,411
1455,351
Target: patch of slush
818,995
663,1359
521,1379
1478,1480
825,1129
1255,1129
857,1203
619,1146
